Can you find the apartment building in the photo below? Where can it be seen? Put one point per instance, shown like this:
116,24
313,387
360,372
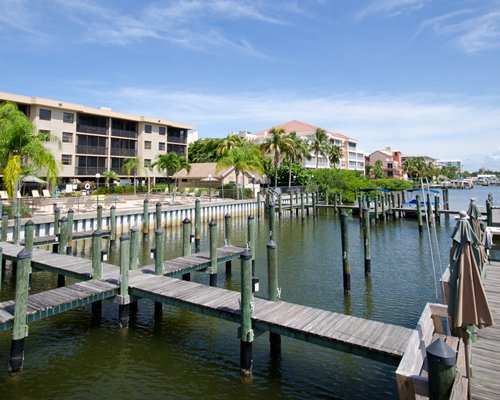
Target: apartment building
453,163
392,163
95,140
352,159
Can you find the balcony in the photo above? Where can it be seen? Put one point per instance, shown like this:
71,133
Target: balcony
124,133
98,130
91,150
89,171
123,152
177,139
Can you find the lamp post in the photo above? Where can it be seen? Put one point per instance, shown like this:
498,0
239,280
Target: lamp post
97,176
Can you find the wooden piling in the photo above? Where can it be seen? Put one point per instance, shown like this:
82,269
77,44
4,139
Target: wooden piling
314,211
375,201
280,205
29,233
186,244
5,226
273,293
252,238
20,329
124,298
197,225
134,248
272,217
71,216
258,204
246,332
489,213
112,228
227,240
302,211
213,253
99,217
145,221
436,209
17,226
1,268
446,204
57,218
367,242
419,215
158,216
346,268
158,267
429,208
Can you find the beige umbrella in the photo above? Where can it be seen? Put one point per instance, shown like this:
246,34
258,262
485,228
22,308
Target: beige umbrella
467,306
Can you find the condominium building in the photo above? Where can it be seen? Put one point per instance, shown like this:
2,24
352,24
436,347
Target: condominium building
95,140
352,158
391,160
453,163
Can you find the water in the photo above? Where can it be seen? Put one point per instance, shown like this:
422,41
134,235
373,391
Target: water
186,355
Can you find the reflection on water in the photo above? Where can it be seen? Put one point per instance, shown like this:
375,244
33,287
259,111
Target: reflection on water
186,355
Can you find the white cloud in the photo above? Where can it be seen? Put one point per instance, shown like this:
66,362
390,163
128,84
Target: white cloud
390,8
440,126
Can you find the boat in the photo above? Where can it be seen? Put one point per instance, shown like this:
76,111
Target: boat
410,207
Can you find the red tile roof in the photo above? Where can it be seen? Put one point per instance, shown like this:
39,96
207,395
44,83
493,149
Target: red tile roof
301,127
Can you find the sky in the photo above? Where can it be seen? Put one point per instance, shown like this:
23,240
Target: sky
420,76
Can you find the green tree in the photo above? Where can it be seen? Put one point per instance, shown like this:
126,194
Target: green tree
318,144
278,144
204,150
110,176
169,164
22,148
296,153
228,143
246,157
133,165
378,170
334,154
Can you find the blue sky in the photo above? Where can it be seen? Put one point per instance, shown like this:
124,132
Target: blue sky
422,76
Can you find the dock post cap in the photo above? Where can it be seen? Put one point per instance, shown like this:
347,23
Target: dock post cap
134,229
463,215
64,219
29,223
250,216
212,223
124,236
159,231
365,209
271,244
158,203
24,253
99,207
246,255
146,201
440,352
112,207
72,211
97,232
227,216
186,221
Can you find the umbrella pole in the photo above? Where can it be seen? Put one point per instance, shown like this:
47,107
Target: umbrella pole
466,339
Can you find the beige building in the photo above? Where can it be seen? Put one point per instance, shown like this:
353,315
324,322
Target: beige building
352,159
95,140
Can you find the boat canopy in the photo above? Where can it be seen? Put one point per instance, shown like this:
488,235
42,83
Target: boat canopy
425,190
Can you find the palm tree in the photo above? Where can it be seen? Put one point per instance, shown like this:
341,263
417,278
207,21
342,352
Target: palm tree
22,148
133,164
334,153
296,153
318,144
277,144
110,176
246,157
230,142
169,164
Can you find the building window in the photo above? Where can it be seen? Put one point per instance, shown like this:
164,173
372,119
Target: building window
389,165
162,130
45,115
161,146
66,159
148,128
147,163
67,137
147,144
68,118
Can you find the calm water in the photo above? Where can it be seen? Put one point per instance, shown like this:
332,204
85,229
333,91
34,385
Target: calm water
186,355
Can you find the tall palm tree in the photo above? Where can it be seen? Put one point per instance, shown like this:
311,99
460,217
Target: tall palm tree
230,142
22,148
110,176
318,144
169,164
297,152
334,153
278,144
133,165
246,157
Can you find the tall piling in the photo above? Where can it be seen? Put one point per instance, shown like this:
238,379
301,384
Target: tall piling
186,244
29,233
145,221
20,329
252,237
367,241
419,215
17,228
273,292
429,208
302,211
197,225
71,216
5,225
124,298
112,228
158,216
159,243
246,332
134,248
227,240
212,226
99,217
437,207
97,268
346,268
272,218
258,204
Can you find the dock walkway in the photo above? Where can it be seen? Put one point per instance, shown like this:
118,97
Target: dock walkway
485,383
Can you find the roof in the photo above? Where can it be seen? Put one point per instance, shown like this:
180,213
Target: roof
304,128
103,111
202,170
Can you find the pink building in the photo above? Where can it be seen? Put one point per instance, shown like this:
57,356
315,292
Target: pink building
392,163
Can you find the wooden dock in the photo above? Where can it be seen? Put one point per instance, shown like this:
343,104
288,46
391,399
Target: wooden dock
51,239
485,383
